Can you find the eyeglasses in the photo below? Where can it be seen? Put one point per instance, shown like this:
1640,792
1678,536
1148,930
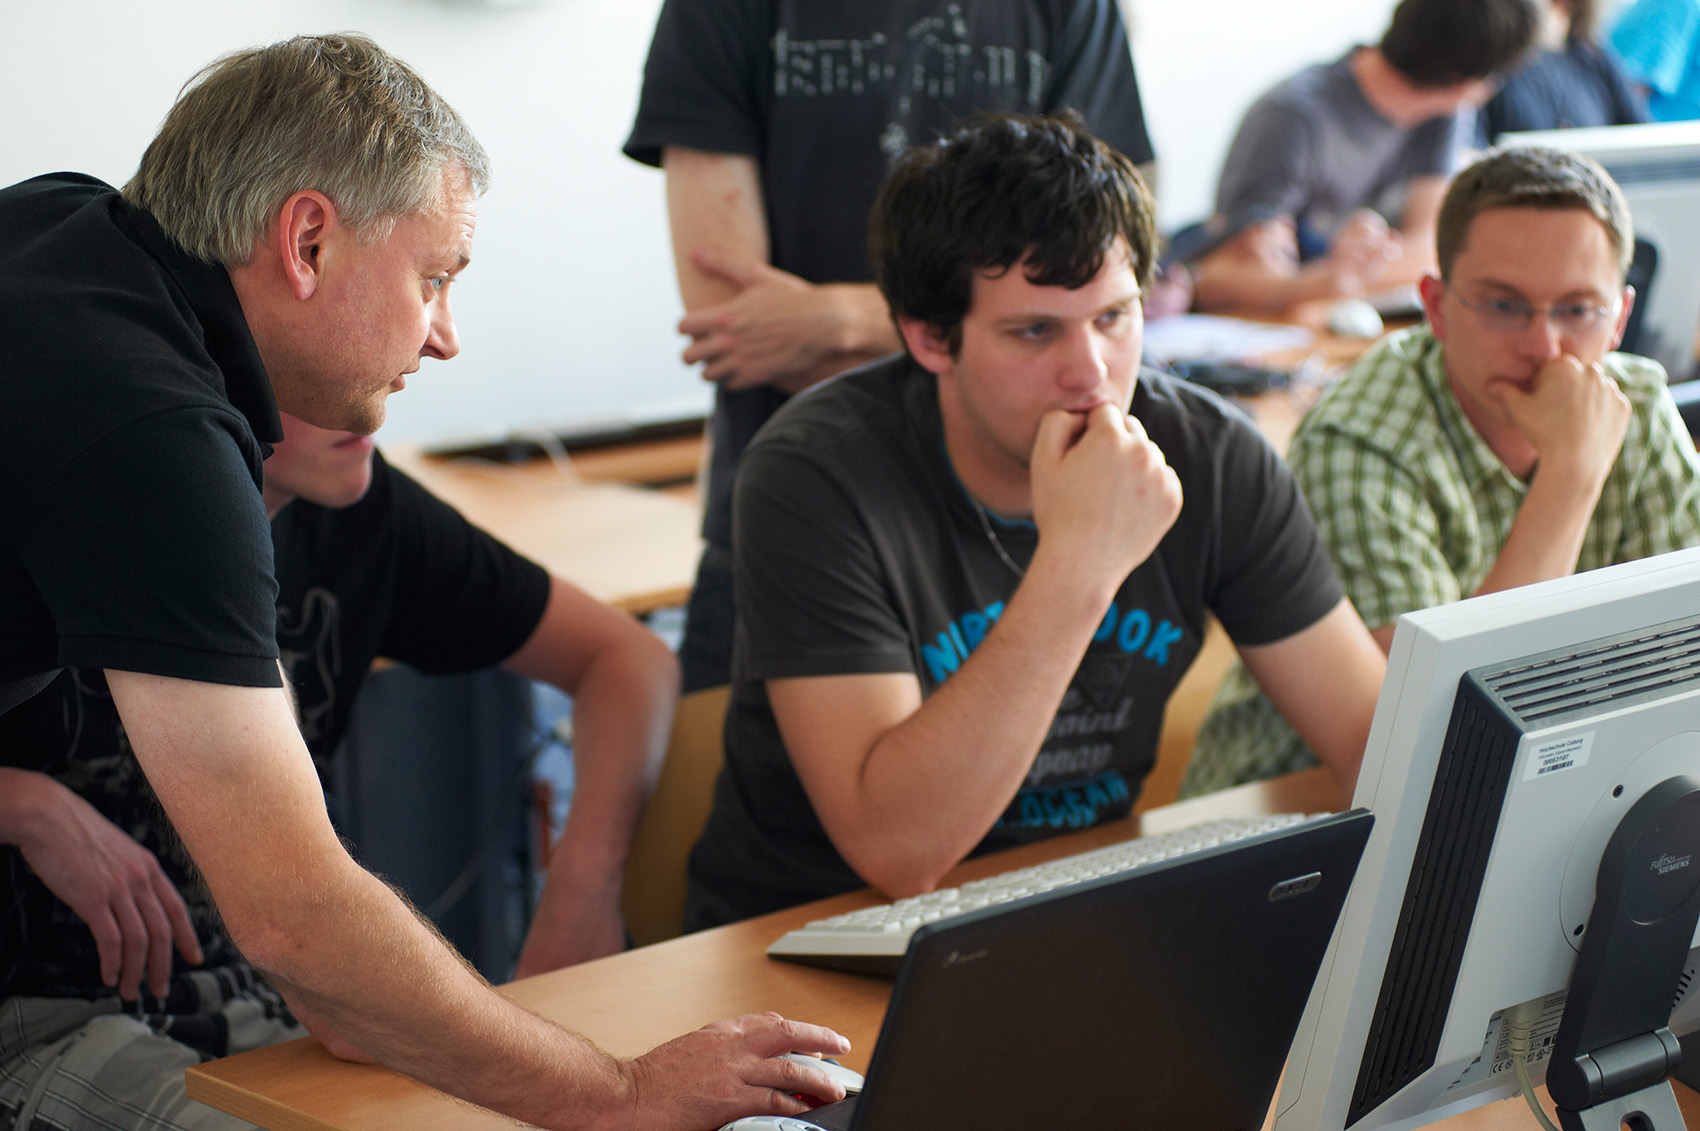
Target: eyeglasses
1510,315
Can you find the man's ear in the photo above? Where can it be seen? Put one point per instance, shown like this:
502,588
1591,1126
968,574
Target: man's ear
1432,291
303,222
927,345
1623,316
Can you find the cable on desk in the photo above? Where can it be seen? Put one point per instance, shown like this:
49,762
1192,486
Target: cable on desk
558,455
1519,1023
511,476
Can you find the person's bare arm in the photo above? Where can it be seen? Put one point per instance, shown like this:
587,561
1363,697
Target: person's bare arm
112,883
233,775
749,322
1324,680
906,788
1259,268
1416,256
624,682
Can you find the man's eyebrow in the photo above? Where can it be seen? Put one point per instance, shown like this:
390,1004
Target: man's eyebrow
1496,285
1023,316
447,262
1507,290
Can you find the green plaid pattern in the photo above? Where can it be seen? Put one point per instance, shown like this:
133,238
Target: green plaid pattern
1414,507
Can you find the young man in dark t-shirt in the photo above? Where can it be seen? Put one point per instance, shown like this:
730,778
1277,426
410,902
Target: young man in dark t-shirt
775,122
969,578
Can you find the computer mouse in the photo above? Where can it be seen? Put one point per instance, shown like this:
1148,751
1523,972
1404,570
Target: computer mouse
1354,318
849,1079
768,1123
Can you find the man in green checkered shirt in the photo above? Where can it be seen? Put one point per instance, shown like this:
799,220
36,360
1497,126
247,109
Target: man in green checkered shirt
1499,445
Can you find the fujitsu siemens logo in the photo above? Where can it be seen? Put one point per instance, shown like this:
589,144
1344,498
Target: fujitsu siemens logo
1669,863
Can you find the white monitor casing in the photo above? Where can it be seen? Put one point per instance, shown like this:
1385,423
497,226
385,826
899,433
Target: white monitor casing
1538,885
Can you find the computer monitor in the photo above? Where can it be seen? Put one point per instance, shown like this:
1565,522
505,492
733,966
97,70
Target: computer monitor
1490,824
1657,164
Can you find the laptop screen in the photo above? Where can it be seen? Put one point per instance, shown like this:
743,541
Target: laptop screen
1165,996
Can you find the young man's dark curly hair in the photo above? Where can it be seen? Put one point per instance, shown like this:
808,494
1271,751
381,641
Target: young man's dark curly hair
1002,190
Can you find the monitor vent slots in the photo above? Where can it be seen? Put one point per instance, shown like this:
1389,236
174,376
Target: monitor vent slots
1494,706
1440,901
1619,669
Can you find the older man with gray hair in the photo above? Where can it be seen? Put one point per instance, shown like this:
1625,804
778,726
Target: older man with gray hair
288,244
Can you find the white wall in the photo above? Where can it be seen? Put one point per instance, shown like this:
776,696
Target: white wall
567,313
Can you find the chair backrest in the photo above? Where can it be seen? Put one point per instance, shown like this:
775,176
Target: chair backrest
1641,271
653,898
1687,397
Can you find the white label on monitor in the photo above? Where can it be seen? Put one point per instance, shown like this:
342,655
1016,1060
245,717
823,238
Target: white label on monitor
1565,753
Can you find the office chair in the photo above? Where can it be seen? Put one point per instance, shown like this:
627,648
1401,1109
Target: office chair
1641,271
1687,397
653,898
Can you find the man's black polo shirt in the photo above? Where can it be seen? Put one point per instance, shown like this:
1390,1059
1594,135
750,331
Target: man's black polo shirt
135,415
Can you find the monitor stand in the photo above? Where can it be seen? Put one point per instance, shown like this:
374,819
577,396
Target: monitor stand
1689,1073
1614,1049
1650,1109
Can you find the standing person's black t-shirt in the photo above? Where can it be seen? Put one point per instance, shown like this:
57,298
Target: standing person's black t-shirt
859,551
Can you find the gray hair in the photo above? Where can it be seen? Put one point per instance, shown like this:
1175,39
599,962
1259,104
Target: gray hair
335,113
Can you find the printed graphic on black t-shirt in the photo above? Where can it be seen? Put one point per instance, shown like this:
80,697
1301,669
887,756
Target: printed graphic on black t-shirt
400,574
1074,783
934,60
309,640
72,733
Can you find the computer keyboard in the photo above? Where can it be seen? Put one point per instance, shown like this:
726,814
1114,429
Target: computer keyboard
874,938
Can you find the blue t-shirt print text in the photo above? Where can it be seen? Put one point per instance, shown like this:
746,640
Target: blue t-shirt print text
1097,706
1133,631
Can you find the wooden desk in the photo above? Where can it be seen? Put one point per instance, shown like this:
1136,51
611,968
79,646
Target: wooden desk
634,1001
634,547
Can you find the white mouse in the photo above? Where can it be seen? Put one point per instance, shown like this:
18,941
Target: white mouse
848,1079
1354,318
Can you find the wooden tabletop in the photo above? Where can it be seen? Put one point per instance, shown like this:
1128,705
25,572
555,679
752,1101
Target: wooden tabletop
631,1002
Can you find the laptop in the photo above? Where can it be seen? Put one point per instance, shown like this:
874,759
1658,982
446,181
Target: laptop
1163,997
